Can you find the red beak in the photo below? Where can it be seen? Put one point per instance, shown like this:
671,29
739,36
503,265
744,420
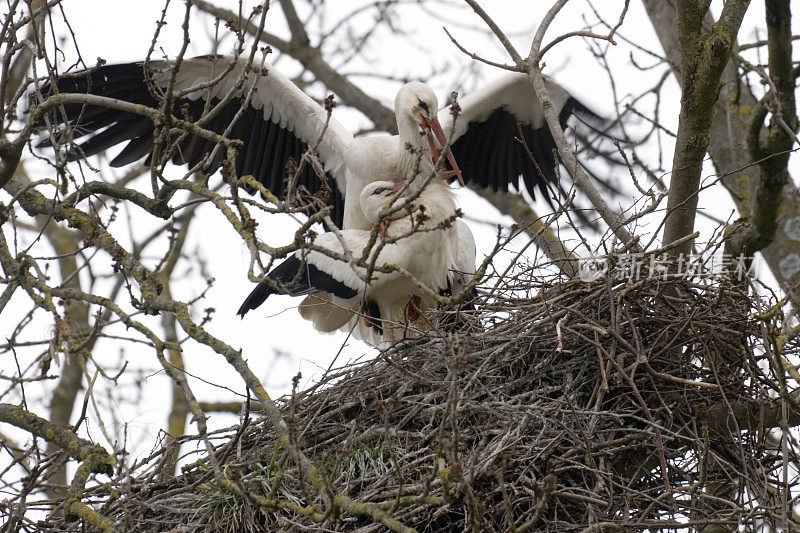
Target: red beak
434,127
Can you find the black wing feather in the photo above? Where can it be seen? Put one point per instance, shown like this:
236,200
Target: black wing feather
490,155
118,133
266,148
311,280
251,151
133,151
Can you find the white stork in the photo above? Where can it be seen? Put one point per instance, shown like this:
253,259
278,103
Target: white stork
279,121
435,248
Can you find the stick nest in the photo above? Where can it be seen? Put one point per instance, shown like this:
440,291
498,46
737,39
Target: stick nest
559,406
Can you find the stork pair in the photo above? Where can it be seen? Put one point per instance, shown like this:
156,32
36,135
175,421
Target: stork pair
499,139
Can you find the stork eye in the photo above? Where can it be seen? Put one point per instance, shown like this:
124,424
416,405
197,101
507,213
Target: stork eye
379,190
423,105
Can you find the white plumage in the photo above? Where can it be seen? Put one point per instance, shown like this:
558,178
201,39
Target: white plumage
389,306
276,122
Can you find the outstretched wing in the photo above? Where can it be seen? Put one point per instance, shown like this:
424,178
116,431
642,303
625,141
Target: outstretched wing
486,141
276,123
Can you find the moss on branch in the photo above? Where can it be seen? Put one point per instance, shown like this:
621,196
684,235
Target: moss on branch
703,57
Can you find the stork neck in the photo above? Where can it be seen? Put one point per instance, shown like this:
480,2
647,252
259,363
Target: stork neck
409,132
417,160
439,201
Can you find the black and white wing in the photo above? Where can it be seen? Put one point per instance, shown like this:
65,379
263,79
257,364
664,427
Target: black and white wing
306,275
486,141
278,122
308,272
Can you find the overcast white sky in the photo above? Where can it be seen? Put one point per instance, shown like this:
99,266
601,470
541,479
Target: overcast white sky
121,31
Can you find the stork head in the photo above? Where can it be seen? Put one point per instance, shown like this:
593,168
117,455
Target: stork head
374,197
416,103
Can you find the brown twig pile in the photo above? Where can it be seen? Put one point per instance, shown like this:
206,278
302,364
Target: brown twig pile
560,407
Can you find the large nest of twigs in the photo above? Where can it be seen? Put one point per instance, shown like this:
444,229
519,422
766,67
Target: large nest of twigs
560,407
